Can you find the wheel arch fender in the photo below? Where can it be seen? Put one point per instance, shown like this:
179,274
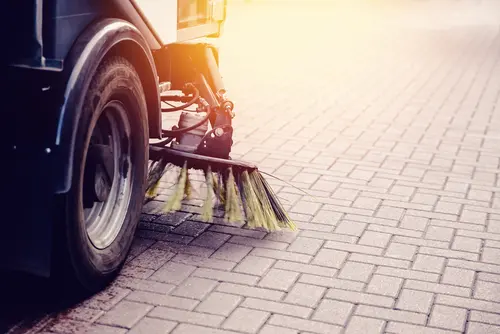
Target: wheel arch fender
101,39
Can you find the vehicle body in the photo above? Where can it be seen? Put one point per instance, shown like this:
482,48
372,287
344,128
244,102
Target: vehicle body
55,51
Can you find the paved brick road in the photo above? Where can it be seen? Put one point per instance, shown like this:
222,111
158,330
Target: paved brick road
388,113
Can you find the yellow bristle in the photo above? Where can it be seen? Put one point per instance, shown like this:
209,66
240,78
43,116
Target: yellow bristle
272,223
207,210
155,174
219,189
253,208
175,202
232,207
188,190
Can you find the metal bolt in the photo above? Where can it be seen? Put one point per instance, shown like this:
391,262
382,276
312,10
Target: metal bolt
230,111
219,132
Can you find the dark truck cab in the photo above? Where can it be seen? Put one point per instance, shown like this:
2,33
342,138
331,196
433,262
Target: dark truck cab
66,65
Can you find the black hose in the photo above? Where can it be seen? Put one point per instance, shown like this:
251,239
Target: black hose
196,96
164,142
174,133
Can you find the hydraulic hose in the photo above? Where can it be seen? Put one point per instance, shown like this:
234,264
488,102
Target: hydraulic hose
175,133
196,96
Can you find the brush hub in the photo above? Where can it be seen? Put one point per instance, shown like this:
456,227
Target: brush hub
189,141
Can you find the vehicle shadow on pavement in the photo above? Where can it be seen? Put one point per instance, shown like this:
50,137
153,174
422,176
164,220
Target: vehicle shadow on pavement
26,300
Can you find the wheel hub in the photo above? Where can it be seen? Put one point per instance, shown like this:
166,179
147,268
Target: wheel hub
108,177
100,167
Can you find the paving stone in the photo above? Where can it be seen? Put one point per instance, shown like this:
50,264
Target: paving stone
462,302
153,326
448,317
478,328
196,318
439,233
225,276
491,255
356,271
125,314
278,279
191,228
246,320
194,287
327,217
380,260
414,223
254,265
350,228
305,268
429,263
403,328
359,297
277,307
390,212
488,277
102,329
375,239
210,240
415,301
391,314
448,207
281,255
204,262
152,258
304,324
249,291
450,254
232,252
107,298
305,245
263,243
331,282
74,326
397,231
270,329
333,311
305,295
353,248
487,291
401,251
384,285
195,329
306,207
162,300
81,313
366,203
219,304
473,217
131,271
437,288
421,242
330,258
466,244
173,273
359,324
485,317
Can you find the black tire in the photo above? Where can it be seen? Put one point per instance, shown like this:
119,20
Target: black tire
115,95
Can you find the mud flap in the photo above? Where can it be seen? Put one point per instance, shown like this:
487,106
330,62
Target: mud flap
27,207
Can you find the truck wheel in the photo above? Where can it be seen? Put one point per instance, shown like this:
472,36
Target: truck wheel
103,207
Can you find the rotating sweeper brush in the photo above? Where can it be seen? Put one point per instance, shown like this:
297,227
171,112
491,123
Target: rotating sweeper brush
202,140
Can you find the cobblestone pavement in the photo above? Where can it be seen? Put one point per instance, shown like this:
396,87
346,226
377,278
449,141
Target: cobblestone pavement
388,114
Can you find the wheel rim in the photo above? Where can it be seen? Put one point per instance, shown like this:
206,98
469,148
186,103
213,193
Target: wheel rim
108,176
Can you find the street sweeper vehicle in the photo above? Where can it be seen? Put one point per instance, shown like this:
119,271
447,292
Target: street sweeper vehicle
83,144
